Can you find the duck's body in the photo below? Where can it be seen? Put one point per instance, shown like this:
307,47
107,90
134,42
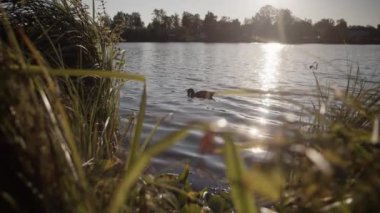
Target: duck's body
200,94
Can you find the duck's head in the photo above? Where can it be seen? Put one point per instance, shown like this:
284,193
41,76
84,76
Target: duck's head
190,93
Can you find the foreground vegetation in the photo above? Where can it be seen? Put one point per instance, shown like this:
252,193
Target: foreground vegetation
59,133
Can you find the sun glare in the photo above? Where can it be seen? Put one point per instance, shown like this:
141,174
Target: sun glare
269,74
257,150
253,131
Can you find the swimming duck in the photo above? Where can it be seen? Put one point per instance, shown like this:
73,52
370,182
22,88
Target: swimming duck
200,94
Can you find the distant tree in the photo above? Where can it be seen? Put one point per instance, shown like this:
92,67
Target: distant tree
120,19
175,34
167,24
229,30
135,30
341,23
268,24
197,26
135,21
158,16
284,17
341,29
223,31
266,15
187,19
186,23
160,26
284,23
303,31
176,21
210,25
263,22
130,25
325,30
192,26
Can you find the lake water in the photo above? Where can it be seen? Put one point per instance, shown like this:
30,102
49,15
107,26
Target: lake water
171,68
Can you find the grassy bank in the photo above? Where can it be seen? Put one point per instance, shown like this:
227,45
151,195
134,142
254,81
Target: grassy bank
60,74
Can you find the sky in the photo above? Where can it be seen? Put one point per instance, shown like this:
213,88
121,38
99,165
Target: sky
355,12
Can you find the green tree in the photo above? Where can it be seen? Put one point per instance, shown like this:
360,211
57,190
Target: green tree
325,30
284,23
176,21
135,21
120,19
263,22
160,26
210,25
192,26
341,28
303,31
229,30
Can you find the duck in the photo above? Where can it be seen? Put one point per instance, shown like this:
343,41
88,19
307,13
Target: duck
200,94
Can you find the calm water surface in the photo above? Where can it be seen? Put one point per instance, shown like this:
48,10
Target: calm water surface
171,68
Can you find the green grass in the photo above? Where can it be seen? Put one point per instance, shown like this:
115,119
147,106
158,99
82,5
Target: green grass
59,134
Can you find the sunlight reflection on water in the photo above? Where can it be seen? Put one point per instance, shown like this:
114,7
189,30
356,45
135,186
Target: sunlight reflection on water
272,59
268,79
257,150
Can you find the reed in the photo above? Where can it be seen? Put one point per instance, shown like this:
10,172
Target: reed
60,114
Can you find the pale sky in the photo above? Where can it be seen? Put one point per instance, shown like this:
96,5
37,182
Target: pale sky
355,12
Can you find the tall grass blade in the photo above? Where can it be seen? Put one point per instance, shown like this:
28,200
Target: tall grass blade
89,72
152,132
72,159
241,196
132,174
12,37
134,147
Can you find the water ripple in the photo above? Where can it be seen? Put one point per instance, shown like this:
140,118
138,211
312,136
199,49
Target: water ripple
173,67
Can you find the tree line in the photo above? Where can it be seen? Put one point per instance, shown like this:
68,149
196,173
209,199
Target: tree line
268,25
